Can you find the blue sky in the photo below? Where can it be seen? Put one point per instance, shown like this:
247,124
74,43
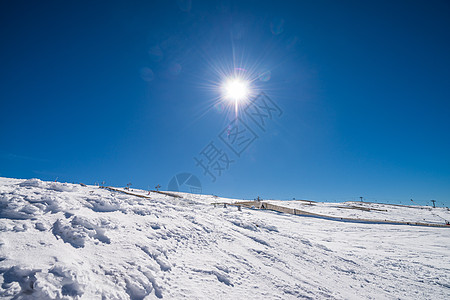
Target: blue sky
127,91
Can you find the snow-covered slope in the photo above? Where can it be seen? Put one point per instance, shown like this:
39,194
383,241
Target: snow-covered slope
373,211
69,241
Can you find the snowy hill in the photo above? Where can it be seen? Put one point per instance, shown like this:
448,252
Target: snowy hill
71,241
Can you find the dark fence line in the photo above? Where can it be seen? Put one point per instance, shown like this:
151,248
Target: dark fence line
139,195
125,192
168,194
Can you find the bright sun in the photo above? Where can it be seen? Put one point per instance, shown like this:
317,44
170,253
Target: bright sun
236,89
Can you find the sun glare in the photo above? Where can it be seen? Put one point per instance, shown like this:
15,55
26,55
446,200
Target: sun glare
236,89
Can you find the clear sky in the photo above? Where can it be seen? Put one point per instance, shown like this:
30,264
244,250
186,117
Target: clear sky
128,91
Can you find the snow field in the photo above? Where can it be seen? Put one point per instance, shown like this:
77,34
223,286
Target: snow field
65,241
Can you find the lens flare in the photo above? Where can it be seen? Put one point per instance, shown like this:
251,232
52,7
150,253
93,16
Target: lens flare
235,80
236,89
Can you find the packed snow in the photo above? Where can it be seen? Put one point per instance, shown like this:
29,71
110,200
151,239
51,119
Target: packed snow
67,241
373,211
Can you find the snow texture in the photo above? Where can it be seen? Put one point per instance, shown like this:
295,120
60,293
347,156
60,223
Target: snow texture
67,241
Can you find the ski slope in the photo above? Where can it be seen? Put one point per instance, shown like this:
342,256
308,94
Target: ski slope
373,211
66,241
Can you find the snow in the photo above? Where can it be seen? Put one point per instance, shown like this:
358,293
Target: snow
375,211
67,241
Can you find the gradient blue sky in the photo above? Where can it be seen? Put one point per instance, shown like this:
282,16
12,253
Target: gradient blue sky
364,87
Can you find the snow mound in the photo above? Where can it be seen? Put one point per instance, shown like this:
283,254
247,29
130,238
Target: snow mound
34,182
55,186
